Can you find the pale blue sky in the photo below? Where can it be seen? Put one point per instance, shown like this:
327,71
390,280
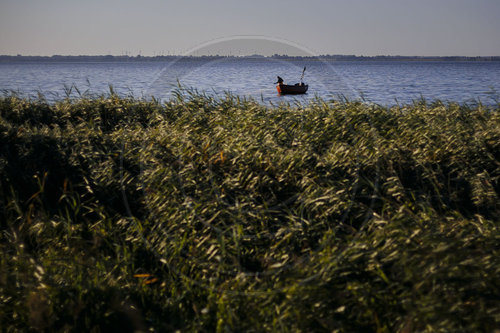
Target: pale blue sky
361,27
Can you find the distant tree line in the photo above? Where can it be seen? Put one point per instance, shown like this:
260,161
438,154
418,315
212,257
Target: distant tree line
341,57
336,57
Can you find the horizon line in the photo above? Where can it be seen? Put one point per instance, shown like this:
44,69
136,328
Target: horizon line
243,56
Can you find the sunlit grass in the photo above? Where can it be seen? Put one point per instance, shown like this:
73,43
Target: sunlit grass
205,214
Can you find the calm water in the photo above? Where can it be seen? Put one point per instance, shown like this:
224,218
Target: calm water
374,81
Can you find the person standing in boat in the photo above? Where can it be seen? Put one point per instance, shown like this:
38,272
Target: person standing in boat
280,80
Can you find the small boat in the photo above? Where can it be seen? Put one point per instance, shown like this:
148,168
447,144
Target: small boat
298,88
285,89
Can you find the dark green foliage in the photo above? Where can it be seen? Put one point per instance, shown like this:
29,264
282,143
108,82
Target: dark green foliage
207,214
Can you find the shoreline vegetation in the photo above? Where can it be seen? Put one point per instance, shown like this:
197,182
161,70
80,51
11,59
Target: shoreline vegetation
204,214
111,58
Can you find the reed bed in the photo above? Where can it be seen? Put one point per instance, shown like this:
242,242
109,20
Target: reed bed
222,214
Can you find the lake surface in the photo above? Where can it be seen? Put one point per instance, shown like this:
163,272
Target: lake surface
382,82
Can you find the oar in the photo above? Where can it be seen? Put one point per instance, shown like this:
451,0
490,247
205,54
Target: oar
302,74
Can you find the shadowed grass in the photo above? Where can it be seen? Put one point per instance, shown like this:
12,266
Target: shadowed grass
223,214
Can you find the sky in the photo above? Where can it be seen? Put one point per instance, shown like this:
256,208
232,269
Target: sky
161,27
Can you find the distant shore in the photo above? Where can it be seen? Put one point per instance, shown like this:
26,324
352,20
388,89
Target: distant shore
113,58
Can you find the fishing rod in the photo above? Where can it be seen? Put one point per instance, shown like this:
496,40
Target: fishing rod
302,76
